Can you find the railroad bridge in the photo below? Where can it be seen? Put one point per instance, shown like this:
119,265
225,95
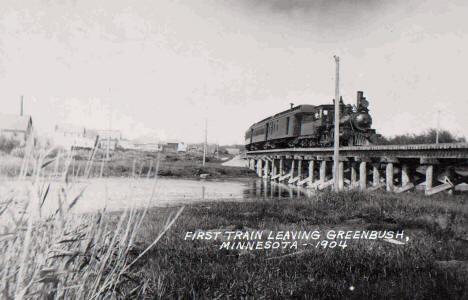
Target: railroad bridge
395,168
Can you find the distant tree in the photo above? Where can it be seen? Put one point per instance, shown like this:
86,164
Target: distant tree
8,144
427,137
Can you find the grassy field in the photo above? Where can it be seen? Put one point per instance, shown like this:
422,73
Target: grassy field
145,253
129,164
432,264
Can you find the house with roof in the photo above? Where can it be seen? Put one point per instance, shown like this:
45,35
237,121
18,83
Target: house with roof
72,136
149,143
174,146
16,127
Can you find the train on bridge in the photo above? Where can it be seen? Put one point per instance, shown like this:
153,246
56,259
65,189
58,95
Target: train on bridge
294,147
312,126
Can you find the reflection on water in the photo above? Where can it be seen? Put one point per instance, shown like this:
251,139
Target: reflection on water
119,193
259,188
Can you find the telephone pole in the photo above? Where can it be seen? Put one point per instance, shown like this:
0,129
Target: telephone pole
437,131
336,144
206,140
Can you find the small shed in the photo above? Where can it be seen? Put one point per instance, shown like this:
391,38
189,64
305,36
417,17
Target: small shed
16,127
73,136
175,146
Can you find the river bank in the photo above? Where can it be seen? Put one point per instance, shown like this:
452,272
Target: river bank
131,164
201,258
235,239
253,241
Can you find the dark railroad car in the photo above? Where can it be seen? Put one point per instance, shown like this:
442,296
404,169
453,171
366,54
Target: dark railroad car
312,126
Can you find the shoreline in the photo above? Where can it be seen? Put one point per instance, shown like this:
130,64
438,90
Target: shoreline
424,257
425,254
133,165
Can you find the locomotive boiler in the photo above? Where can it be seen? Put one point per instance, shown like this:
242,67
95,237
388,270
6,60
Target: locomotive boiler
313,126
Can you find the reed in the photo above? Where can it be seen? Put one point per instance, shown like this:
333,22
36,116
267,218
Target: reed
62,254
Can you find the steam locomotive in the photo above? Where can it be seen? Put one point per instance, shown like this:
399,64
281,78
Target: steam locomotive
313,126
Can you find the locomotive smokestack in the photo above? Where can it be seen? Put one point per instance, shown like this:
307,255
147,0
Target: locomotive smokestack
292,105
360,94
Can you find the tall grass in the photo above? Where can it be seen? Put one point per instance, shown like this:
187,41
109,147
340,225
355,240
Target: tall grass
431,264
61,254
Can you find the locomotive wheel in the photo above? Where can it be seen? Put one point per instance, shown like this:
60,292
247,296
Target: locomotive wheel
293,143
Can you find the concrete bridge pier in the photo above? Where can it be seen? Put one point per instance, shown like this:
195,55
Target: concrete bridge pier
281,167
286,175
363,175
429,175
376,184
397,168
389,177
405,176
266,174
272,190
323,181
405,179
259,167
353,167
434,176
341,175
310,178
274,171
296,176
389,172
291,171
299,169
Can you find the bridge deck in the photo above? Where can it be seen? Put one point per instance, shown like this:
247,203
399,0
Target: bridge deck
448,150
397,168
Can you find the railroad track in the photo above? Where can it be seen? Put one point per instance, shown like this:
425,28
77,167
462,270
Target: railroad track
396,168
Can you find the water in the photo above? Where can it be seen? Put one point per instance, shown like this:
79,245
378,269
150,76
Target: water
120,193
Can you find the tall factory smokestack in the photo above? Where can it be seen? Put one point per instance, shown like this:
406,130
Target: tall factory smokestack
360,94
22,104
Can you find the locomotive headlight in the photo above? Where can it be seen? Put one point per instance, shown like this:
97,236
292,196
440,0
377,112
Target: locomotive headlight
362,121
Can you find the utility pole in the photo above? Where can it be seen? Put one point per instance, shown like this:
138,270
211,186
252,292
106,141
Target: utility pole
109,136
206,140
437,131
336,144
109,131
22,106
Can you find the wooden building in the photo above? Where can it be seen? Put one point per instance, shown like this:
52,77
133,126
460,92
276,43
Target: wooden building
16,127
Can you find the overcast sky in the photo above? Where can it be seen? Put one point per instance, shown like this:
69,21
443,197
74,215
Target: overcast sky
159,67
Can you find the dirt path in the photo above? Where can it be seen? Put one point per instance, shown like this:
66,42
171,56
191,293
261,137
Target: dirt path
236,161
